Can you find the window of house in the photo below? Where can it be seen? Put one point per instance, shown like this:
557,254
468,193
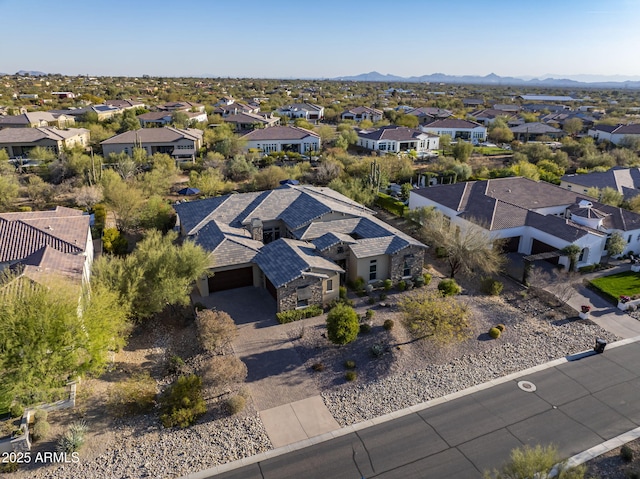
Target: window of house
373,270
270,234
303,295
340,249
406,267
329,285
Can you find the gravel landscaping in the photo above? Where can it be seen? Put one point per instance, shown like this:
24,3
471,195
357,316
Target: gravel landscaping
406,372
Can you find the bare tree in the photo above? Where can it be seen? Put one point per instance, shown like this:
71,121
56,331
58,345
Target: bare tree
87,196
216,330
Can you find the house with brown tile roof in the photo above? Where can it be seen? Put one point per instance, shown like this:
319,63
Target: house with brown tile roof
244,122
360,113
180,106
37,118
181,144
429,114
397,139
534,131
283,138
42,245
20,141
533,217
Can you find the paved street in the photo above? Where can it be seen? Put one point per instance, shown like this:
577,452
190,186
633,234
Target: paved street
575,405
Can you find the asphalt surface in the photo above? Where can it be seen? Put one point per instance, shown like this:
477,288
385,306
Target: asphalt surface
576,405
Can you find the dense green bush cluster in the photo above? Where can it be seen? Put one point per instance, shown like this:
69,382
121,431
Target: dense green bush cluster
298,314
449,287
494,333
41,427
392,205
342,324
388,324
491,286
182,403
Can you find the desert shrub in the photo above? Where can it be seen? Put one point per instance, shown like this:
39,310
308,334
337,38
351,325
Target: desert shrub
40,415
182,403
626,453
9,466
408,284
388,324
16,410
114,242
365,328
350,376
449,287
222,370
536,461
298,314
441,252
387,284
376,350
427,278
318,367
501,327
350,364
418,281
402,285
40,430
370,313
491,286
342,324
494,333
371,300
175,365
199,307
216,329
73,439
359,283
134,395
236,404
368,288
383,296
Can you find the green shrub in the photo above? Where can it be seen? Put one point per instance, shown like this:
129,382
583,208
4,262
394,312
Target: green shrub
358,284
449,287
376,350
365,328
491,286
390,204
427,279
371,300
182,403
16,410
114,242
342,292
387,284
370,313
388,324
342,324
501,327
236,404
587,269
418,281
383,296
40,430
402,285
626,453
494,333
9,466
350,364
134,395
350,376
73,439
318,367
175,365
298,314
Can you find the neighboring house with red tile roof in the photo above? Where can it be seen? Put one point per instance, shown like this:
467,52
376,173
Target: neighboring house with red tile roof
181,144
282,138
20,141
457,129
44,244
429,114
533,217
615,134
397,139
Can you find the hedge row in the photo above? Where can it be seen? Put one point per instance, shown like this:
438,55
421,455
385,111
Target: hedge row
298,314
390,204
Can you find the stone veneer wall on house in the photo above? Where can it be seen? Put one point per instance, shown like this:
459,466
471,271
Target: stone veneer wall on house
397,262
288,297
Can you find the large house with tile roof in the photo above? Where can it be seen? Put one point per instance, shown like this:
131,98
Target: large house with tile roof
457,129
35,119
360,113
180,144
623,180
307,111
20,141
397,139
299,242
616,134
533,217
282,138
47,245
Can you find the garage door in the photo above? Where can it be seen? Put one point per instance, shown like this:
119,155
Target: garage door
235,278
271,288
539,247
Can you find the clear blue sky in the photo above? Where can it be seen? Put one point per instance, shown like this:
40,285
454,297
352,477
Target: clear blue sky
321,38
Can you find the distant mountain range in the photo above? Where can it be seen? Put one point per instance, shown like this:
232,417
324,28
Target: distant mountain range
491,79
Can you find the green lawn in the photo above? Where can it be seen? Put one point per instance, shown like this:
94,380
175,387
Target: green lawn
616,285
491,150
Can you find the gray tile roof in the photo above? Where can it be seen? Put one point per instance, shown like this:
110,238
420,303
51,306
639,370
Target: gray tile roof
228,246
330,239
453,123
29,135
624,180
154,135
395,133
285,260
378,246
535,128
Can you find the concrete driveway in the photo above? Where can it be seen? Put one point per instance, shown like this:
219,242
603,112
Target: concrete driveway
282,388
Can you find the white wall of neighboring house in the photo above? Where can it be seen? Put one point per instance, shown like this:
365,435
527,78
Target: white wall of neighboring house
127,148
393,146
479,133
599,135
307,144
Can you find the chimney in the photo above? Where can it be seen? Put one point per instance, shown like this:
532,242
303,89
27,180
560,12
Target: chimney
256,229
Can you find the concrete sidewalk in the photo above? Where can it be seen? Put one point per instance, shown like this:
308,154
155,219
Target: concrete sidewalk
582,405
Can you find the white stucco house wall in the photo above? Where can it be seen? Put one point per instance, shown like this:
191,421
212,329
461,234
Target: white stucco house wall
457,129
282,138
396,139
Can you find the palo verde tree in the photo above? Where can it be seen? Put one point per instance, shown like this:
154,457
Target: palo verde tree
158,273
